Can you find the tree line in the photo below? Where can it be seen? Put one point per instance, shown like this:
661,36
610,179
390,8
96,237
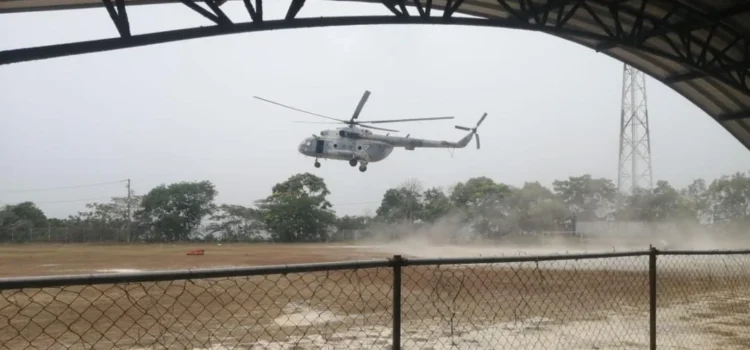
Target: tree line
298,210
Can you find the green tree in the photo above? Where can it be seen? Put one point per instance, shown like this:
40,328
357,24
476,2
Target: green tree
26,212
538,208
546,215
348,225
478,192
401,204
663,203
297,210
586,197
729,197
236,223
112,219
172,212
435,204
666,203
635,206
695,199
20,220
485,206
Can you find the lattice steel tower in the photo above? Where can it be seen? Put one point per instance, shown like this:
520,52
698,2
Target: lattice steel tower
635,142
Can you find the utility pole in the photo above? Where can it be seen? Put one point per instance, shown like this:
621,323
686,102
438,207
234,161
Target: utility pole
634,169
128,204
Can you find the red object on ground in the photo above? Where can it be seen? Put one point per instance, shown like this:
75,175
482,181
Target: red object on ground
196,252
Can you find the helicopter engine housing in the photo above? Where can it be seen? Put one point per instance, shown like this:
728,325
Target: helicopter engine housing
349,134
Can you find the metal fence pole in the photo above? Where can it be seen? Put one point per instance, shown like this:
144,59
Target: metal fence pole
397,262
652,296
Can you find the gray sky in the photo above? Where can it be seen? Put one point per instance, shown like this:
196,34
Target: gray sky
184,111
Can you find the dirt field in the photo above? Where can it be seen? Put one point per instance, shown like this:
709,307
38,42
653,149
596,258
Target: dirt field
34,260
703,301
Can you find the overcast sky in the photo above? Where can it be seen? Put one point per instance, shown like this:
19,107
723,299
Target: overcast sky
184,110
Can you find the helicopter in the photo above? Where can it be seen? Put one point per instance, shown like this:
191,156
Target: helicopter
358,145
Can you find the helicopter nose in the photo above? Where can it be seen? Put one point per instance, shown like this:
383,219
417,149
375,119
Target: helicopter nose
302,148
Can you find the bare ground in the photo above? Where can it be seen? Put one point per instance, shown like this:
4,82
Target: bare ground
57,259
546,305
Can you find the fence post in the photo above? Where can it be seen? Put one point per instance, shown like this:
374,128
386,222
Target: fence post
397,262
652,296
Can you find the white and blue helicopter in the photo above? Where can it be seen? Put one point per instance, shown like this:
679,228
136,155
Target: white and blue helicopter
358,145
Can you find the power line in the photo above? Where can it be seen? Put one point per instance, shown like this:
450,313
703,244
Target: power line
74,200
64,188
119,182
65,201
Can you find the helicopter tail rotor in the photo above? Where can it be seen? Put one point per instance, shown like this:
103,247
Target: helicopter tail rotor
474,129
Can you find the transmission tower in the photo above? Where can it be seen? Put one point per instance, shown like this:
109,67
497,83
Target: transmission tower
635,142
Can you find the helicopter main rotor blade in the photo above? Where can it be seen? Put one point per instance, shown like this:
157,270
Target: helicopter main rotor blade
377,128
360,105
312,122
403,120
299,110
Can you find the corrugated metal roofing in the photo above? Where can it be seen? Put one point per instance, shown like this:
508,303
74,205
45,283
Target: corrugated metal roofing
724,25
9,6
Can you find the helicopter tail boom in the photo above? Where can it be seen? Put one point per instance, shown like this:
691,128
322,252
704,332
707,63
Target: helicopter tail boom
414,143
472,132
464,141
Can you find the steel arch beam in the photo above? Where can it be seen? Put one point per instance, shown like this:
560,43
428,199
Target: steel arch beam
224,27
697,53
551,18
61,50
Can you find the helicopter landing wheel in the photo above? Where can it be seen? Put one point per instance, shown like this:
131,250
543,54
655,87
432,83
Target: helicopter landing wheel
317,164
353,162
363,168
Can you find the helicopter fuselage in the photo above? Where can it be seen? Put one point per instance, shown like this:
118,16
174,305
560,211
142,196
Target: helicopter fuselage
358,145
332,145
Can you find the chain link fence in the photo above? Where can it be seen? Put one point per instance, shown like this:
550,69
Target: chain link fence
618,300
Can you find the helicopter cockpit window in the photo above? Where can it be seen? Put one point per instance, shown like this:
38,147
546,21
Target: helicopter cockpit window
308,143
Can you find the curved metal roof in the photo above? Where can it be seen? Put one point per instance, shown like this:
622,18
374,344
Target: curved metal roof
699,48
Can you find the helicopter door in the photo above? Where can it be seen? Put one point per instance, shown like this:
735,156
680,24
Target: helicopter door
319,146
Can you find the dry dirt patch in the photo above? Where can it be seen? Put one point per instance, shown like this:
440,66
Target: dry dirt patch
38,259
352,308
478,306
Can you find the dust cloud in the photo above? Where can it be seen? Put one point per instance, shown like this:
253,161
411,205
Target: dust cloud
448,237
